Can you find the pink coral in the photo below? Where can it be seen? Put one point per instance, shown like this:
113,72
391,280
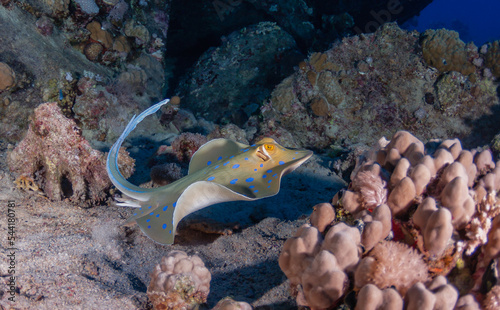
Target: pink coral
391,264
55,154
179,282
187,144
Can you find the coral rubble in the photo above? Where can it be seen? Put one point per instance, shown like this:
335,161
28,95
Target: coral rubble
62,163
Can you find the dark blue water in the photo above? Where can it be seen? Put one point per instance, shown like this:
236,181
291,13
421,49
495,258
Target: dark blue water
474,20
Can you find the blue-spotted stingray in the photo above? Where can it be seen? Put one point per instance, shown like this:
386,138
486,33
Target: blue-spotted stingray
221,170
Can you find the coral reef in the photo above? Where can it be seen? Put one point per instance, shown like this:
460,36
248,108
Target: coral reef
425,211
353,93
179,282
62,163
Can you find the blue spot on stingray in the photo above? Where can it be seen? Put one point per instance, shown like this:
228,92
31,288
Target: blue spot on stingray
251,186
274,175
236,166
233,181
249,180
151,213
255,191
281,162
164,226
216,167
269,171
264,176
296,152
209,163
246,158
142,212
158,215
261,165
175,203
135,214
165,208
149,207
293,158
226,163
210,178
245,150
220,157
231,157
140,208
269,186
252,145
148,220
254,169
169,231
149,226
269,181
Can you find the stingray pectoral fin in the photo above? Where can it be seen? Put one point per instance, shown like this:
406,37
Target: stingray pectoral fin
203,194
213,151
161,226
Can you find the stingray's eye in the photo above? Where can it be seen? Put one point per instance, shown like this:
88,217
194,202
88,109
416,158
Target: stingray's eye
262,152
269,147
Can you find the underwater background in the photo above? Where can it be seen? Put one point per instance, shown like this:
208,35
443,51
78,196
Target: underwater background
396,209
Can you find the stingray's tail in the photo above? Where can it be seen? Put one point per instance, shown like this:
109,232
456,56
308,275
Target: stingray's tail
127,188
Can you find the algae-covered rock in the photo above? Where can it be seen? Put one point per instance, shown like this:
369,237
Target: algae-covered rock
444,50
236,77
492,57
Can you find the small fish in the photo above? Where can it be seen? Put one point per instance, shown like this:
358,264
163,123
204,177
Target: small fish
221,170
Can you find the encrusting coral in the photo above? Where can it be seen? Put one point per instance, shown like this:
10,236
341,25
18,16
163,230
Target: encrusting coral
179,282
62,163
420,212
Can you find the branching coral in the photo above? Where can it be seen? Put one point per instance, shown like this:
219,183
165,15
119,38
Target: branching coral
179,282
60,160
